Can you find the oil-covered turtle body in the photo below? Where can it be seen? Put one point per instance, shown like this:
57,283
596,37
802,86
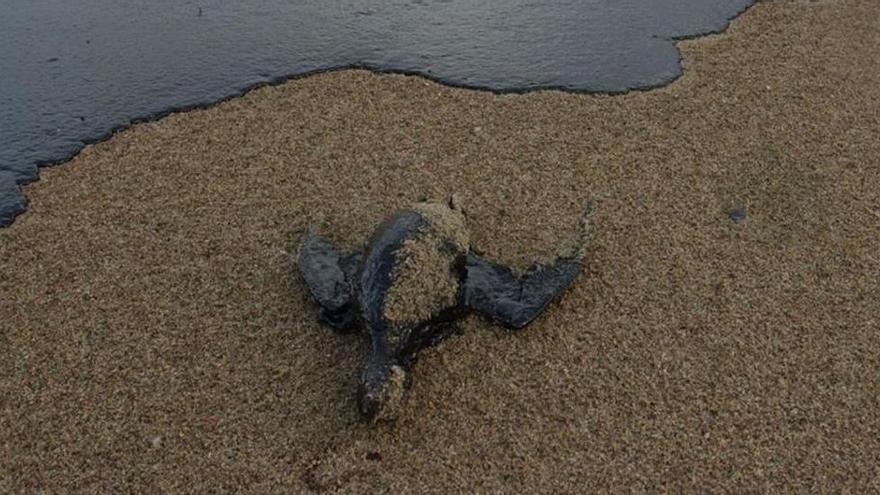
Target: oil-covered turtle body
418,275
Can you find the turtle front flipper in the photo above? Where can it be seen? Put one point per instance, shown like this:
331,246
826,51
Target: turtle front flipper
329,276
513,300
496,292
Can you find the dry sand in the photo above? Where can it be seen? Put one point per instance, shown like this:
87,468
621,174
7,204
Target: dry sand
155,338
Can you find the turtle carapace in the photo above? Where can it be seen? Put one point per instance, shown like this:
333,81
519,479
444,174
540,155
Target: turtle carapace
417,275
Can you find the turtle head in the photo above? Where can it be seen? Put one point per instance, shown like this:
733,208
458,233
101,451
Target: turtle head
381,391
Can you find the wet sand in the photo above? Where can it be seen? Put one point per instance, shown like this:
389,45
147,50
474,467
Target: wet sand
155,337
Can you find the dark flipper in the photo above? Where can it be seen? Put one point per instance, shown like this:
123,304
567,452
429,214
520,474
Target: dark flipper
512,300
329,276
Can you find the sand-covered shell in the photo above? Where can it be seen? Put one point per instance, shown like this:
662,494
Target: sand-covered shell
426,278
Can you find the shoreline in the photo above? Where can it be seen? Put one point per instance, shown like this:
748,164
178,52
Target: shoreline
73,128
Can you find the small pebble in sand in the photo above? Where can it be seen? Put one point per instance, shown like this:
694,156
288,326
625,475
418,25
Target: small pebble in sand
738,214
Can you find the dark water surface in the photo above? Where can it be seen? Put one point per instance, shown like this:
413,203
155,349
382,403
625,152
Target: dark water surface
72,72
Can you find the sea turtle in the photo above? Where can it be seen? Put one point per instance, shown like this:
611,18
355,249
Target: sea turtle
417,275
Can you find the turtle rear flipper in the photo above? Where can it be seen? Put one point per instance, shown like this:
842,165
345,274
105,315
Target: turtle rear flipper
512,300
496,292
329,276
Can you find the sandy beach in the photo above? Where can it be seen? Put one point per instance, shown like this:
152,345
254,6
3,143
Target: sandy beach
724,335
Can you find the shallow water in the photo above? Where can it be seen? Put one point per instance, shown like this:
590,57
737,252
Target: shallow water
71,73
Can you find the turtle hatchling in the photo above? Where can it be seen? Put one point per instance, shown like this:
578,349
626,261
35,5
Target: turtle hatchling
418,274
